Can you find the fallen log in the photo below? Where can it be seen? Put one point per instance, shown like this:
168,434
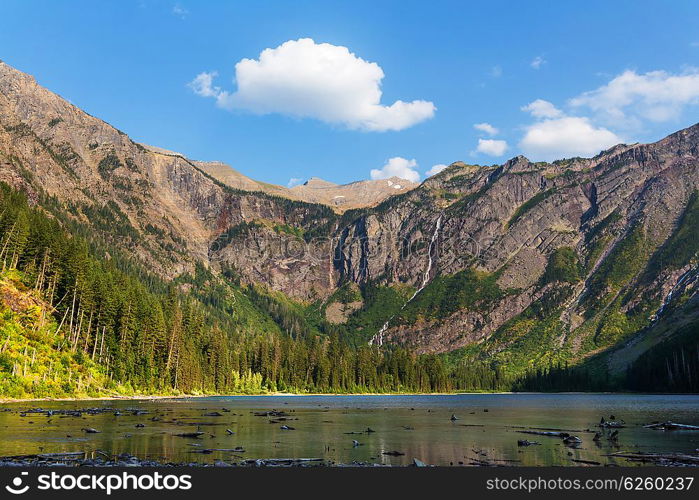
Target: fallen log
658,457
618,424
572,440
547,433
207,451
273,413
671,426
586,462
190,434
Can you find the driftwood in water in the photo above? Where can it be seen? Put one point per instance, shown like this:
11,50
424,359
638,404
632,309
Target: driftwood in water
190,434
572,441
272,413
47,456
547,433
393,453
586,462
207,451
282,462
612,424
671,426
658,458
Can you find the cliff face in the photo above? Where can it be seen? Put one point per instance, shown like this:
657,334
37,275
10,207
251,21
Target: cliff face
588,248
160,206
615,212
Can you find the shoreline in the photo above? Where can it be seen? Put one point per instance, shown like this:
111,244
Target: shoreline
273,394
157,397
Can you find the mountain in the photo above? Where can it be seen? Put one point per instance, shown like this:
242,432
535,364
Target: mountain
340,197
517,267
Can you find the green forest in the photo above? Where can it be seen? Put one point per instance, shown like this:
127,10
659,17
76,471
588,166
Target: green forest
79,317
88,320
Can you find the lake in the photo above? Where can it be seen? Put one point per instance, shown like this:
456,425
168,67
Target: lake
486,430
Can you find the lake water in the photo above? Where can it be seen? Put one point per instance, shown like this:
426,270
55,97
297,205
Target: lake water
418,426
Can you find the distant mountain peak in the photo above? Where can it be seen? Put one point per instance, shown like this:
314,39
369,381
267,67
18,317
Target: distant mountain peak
317,182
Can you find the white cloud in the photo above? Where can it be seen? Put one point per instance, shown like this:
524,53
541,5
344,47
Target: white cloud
294,181
563,137
397,167
487,128
203,85
327,82
179,11
627,103
436,169
542,109
630,98
537,62
491,147
496,71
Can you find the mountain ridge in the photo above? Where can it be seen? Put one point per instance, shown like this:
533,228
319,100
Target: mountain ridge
523,264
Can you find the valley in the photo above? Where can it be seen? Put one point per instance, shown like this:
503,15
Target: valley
128,269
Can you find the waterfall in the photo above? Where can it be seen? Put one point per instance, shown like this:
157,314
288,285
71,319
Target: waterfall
378,337
668,299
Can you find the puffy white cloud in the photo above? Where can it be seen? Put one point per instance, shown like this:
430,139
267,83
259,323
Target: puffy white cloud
487,128
567,136
491,147
435,169
397,167
542,109
294,181
305,79
537,62
629,98
628,103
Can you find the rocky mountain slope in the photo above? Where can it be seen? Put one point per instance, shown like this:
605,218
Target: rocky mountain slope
523,265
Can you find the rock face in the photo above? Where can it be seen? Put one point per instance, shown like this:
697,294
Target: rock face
157,204
575,242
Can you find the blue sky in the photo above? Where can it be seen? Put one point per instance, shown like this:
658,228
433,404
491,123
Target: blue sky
549,79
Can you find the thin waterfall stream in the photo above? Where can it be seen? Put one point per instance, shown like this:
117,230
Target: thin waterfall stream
378,337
